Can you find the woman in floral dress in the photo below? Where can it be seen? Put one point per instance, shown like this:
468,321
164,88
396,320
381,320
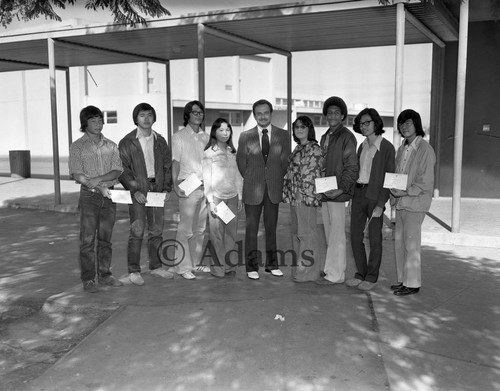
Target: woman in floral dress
305,165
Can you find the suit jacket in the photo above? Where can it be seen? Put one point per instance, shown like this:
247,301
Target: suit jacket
255,172
383,161
134,176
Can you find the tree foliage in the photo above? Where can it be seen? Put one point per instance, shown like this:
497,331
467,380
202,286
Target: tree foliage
124,11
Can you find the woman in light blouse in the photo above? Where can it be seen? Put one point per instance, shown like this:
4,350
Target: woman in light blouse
223,183
416,159
305,165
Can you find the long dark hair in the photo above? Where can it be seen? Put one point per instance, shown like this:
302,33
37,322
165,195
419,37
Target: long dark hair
213,138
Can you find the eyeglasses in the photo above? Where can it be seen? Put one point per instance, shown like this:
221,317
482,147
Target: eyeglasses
365,124
334,114
197,113
405,124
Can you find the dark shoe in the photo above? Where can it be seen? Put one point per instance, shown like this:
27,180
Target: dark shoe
396,287
89,286
324,281
404,291
110,281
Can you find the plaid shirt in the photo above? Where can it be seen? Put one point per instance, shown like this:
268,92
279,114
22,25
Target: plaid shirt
94,159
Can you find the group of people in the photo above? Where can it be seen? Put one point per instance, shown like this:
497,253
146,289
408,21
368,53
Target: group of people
259,174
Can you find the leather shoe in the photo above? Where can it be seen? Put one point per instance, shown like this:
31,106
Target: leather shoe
253,275
275,272
396,286
404,291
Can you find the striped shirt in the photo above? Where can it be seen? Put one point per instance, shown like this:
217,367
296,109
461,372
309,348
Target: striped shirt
94,159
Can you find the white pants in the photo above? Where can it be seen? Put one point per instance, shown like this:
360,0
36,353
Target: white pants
334,221
407,239
191,231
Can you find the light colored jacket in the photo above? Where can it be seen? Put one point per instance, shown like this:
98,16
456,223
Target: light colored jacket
420,171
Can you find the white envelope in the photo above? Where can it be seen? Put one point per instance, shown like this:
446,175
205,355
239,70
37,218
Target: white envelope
155,199
190,184
325,184
223,211
121,196
395,181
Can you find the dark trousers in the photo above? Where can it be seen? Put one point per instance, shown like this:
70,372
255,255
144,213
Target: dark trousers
140,215
97,219
253,255
361,211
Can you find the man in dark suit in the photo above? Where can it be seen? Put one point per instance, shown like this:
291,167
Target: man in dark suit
262,159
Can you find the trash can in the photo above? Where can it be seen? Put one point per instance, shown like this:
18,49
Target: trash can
20,164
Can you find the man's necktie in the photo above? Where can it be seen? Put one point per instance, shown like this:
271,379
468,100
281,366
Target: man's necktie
265,144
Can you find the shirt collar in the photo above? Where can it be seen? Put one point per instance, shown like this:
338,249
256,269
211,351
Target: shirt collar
190,129
377,142
333,130
260,129
139,134
88,139
414,145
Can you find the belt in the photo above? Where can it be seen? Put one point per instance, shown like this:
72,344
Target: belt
361,185
151,180
95,190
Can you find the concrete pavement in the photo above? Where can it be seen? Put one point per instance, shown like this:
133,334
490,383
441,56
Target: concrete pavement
216,334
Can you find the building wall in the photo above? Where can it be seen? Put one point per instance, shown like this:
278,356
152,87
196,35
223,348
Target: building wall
232,84
481,165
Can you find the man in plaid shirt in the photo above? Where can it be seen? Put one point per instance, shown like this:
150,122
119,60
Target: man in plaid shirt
94,162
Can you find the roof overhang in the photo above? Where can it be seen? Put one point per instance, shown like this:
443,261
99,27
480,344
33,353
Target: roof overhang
285,27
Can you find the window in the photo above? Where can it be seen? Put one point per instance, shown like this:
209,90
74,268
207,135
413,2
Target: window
234,117
110,117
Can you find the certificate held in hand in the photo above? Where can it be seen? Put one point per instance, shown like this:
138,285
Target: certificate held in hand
395,181
190,184
223,211
325,184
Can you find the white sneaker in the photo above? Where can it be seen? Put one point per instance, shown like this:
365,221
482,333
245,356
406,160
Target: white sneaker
136,278
253,275
160,272
188,276
275,272
202,269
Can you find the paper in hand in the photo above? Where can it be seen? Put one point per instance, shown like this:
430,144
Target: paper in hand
325,184
223,211
190,184
121,196
395,181
155,199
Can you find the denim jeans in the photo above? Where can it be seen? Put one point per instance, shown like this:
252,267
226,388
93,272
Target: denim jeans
139,215
97,217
